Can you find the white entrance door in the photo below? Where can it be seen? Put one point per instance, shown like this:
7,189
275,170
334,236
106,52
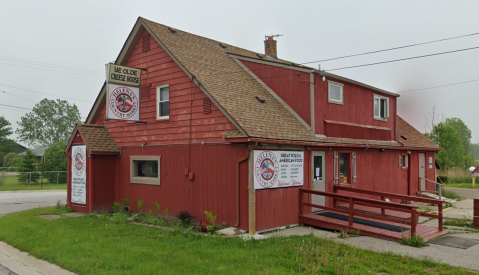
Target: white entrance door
318,177
422,170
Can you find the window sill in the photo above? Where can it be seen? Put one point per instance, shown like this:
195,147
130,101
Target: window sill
380,119
163,118
147,181
335,102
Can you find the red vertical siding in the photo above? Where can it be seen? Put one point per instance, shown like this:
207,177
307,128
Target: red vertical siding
358,107
187,119
291,86
213,188
103,182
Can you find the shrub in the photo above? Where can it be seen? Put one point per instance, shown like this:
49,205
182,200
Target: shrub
140,205
116,207
157,207
28,164
211,221
185,217
414,240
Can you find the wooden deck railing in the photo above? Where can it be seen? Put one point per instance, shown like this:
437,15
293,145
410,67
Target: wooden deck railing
361,201
384,195
438,191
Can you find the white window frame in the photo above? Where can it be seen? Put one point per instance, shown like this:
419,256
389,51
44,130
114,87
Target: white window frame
158,117
386,112
144,180
341,92
405,161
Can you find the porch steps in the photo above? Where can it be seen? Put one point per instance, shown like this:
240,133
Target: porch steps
434,196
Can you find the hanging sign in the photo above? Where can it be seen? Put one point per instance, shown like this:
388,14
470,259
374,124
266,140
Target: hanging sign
123,102
123,75
277,169
123,93
78,195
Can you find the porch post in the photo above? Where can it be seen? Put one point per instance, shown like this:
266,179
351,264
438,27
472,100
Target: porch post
251,195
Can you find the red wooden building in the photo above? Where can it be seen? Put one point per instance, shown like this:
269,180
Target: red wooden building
221,128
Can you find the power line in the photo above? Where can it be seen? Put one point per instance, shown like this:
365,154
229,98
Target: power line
5,92
47,64
15,107
402,59
32,91
445,85
43,69
395,48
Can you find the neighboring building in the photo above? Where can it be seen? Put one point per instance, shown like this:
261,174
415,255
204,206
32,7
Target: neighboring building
20,148
39,152
236,132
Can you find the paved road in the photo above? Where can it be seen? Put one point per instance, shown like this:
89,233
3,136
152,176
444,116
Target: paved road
15,201
465,193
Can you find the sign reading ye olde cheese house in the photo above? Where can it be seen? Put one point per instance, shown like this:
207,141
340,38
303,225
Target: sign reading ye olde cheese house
123,98
276,169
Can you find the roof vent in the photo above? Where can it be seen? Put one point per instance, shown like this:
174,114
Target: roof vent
222,45
206,105
172,30
403,137
260,99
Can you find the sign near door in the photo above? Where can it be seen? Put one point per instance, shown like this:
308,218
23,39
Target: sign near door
278,169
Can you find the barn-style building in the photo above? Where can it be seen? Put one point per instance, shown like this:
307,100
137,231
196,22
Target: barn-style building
246,135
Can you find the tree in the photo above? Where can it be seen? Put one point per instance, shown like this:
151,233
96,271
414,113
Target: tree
50,121
474,149
8,159
55,161
6,145
452,153
28,164
462,130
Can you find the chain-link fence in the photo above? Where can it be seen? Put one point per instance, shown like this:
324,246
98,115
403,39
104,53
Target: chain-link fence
52,177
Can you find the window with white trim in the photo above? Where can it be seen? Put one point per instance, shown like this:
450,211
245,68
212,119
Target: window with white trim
381,107
404,161
335,92
163,101
145,169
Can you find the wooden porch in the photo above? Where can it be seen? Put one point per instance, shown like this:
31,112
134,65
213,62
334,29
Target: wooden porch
370,217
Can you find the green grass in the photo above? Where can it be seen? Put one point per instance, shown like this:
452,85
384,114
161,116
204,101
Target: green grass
459,222
11,184
98,245
463,185
451,195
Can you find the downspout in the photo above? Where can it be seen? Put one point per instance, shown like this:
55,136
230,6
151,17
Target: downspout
238,162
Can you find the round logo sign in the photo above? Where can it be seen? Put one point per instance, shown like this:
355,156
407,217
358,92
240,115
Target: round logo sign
79,161
123,102
266,169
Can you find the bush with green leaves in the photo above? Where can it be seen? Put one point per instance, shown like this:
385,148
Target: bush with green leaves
29,164
55,160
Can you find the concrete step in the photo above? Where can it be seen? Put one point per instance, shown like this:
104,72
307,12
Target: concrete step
434,196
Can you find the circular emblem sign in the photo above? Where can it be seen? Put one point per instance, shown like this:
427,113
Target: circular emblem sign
266,169
123,102
79,164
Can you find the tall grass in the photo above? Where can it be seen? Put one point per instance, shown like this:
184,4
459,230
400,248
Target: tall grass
454,175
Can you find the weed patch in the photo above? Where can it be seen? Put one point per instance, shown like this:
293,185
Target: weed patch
414,240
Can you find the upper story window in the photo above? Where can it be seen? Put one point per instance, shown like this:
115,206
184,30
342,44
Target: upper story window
163,102
381,107
335,92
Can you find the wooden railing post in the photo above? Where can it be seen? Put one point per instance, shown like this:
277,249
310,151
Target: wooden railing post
440,192
301,202
351,211
439,210
413,221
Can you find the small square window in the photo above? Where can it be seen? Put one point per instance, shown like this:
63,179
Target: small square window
145,169
381,107
163,100
335,92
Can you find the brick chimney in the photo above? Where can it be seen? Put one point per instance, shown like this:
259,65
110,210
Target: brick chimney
270,47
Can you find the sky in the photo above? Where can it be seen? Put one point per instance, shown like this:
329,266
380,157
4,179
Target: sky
60,48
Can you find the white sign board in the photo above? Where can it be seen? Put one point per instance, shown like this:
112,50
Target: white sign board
123,103
78,195
123,75
277,169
